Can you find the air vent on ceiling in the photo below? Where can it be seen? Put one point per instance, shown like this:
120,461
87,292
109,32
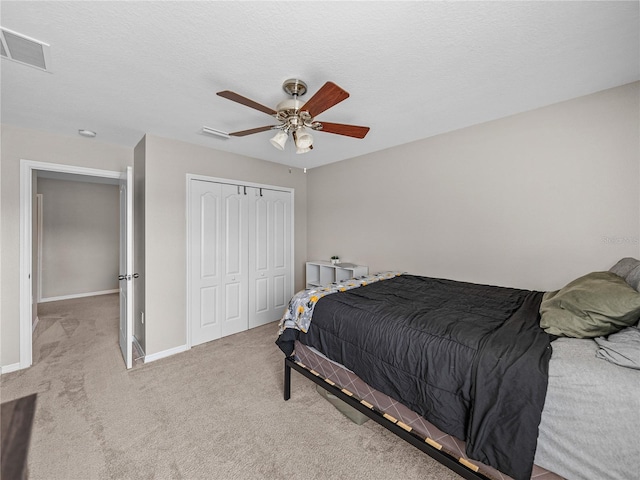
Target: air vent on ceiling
26,50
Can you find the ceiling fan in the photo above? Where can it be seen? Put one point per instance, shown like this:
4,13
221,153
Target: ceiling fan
298,118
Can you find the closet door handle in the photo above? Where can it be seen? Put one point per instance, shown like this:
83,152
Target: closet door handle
122,277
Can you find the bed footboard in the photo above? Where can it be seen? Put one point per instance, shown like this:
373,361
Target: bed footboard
426,445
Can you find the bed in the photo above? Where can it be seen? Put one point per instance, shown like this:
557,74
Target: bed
435,361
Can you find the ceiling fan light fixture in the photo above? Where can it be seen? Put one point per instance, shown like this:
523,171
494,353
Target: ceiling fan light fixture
304,150
279,139
303,139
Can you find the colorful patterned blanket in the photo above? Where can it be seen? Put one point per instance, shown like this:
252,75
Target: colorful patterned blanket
298,313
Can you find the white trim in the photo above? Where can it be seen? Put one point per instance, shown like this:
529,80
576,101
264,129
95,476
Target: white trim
35,324
40,222
228,181
14,367
165,353
27,168
78,295
189,178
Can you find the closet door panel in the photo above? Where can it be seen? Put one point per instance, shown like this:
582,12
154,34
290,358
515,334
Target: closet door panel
234,231
262,295
235,259
206,277
269,259
261,240
208,306
280,297
209,219
233,300
280,231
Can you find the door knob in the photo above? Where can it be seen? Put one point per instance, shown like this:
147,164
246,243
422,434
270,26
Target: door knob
121,277
135,275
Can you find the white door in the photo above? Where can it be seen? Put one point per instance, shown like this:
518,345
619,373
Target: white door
234,258
270,283
126,266
240,244
218,265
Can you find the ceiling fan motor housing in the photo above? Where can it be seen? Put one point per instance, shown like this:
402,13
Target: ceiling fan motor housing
294,87
292,117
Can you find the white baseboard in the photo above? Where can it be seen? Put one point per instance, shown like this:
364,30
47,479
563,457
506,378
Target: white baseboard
77,295
10,368
35,324
165,353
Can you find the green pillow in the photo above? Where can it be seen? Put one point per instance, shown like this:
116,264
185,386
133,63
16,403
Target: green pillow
594,305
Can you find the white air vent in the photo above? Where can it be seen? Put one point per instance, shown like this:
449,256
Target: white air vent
23,49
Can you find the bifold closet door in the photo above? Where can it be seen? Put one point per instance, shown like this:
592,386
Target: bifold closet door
219,281
270,282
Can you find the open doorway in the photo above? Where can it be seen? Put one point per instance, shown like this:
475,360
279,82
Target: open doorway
30,172
77,248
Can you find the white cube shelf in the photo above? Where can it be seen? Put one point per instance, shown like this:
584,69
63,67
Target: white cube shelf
323,273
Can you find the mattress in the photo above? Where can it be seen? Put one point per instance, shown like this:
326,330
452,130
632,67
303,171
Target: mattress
446,350
346,379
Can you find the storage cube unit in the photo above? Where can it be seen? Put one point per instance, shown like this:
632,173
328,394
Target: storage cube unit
323,273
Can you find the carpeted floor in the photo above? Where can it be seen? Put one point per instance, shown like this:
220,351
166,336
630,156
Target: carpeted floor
214,412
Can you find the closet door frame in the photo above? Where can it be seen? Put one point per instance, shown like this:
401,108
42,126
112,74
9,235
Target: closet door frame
205,178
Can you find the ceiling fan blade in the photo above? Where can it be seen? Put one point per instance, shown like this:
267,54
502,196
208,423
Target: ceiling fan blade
329,95
251,131
229,95
342,129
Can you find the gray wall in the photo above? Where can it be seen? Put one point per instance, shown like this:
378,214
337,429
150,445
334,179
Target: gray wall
166,164
80,242
139,163
533,200
20,143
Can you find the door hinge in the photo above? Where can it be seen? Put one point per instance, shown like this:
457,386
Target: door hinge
128,277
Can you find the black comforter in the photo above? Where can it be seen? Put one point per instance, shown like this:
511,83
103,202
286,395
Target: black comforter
470,358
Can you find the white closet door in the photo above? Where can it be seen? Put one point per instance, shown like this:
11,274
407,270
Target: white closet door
270,283
218,223
234,254
206,279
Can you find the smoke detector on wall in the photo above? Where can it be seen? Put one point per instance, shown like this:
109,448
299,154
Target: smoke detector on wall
22,49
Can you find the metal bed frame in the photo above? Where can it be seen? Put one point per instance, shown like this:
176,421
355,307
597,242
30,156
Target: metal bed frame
459,465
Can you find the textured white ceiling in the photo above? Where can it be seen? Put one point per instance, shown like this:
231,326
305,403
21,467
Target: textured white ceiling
413,69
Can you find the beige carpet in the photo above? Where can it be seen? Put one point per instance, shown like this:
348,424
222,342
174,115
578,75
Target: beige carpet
214,412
